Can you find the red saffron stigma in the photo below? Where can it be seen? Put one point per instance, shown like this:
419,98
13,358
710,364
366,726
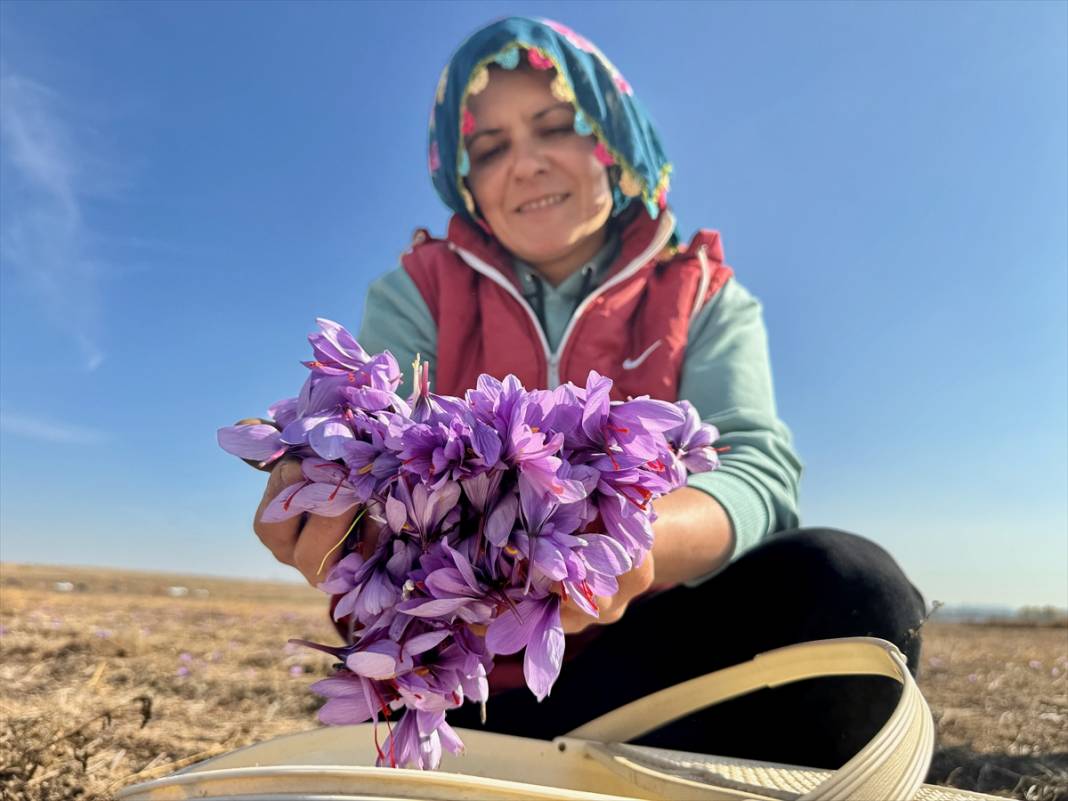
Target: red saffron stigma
289,500
724,449
336,489
587,593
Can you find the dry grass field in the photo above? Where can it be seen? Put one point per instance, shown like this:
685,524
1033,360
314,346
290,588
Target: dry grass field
110,677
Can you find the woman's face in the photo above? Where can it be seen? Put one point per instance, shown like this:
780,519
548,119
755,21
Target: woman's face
537,183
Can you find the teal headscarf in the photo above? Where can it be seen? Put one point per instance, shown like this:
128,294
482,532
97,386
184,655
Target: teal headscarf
605,107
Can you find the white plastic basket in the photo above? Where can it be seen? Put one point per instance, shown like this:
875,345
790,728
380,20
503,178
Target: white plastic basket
593,762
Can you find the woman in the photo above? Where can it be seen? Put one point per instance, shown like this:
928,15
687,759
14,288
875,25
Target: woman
563,257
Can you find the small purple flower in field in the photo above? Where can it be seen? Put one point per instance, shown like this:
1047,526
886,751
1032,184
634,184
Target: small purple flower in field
296,670
145,631
1034,664
1055,671
973,677
104,634
56,623
185,656
182,672
936,663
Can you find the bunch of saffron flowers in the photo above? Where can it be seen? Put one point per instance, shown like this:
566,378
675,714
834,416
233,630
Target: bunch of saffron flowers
494,509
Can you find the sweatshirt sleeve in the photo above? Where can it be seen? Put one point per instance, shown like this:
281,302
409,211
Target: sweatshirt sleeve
726,375
396,318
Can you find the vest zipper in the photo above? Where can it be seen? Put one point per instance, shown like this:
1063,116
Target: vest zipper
552,359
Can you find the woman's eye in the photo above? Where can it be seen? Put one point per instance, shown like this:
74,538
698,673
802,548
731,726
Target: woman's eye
489,155
565,129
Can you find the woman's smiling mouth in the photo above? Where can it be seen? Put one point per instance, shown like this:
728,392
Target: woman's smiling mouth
544,202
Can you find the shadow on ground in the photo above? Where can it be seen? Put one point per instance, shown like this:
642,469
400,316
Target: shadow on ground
1042,777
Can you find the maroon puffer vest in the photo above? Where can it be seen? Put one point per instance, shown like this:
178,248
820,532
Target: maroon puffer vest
633,328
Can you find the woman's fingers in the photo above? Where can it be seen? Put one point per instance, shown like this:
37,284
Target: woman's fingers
281,537
633,583
321,537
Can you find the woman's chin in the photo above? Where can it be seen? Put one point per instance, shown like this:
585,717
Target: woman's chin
541,249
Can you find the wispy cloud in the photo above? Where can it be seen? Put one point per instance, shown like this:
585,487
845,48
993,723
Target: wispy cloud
43,233
41,430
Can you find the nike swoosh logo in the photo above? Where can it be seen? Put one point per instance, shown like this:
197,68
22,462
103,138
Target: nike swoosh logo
630,364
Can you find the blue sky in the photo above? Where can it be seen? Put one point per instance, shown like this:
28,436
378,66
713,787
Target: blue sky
186,186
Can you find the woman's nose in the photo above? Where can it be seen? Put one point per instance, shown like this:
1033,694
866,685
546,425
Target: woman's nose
529,160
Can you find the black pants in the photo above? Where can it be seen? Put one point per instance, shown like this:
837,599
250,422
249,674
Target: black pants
808,584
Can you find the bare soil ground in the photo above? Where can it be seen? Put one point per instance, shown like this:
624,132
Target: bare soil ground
109,677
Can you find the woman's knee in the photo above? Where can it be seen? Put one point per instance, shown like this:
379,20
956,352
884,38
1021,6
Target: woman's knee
843,584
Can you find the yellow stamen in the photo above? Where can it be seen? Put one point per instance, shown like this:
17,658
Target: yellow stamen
327,556
417,365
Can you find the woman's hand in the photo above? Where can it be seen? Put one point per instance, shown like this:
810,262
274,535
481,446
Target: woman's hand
691,536
303,541
611,608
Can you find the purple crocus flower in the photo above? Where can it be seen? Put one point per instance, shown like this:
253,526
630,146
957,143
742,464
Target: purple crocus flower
693,442
420,509
451,588
494,401
370,586
372,465
352,698
337,352
629,427
336,347
324,491
418,739
535,624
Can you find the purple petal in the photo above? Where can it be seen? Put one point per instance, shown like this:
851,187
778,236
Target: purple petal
501,521
328,500
513,629
330,438
450,740
337,687
605,555
396,514
344,711
464,567
545,651
436,608
257,442
424,642
371,664
652,415
296,433
448,581
283,412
